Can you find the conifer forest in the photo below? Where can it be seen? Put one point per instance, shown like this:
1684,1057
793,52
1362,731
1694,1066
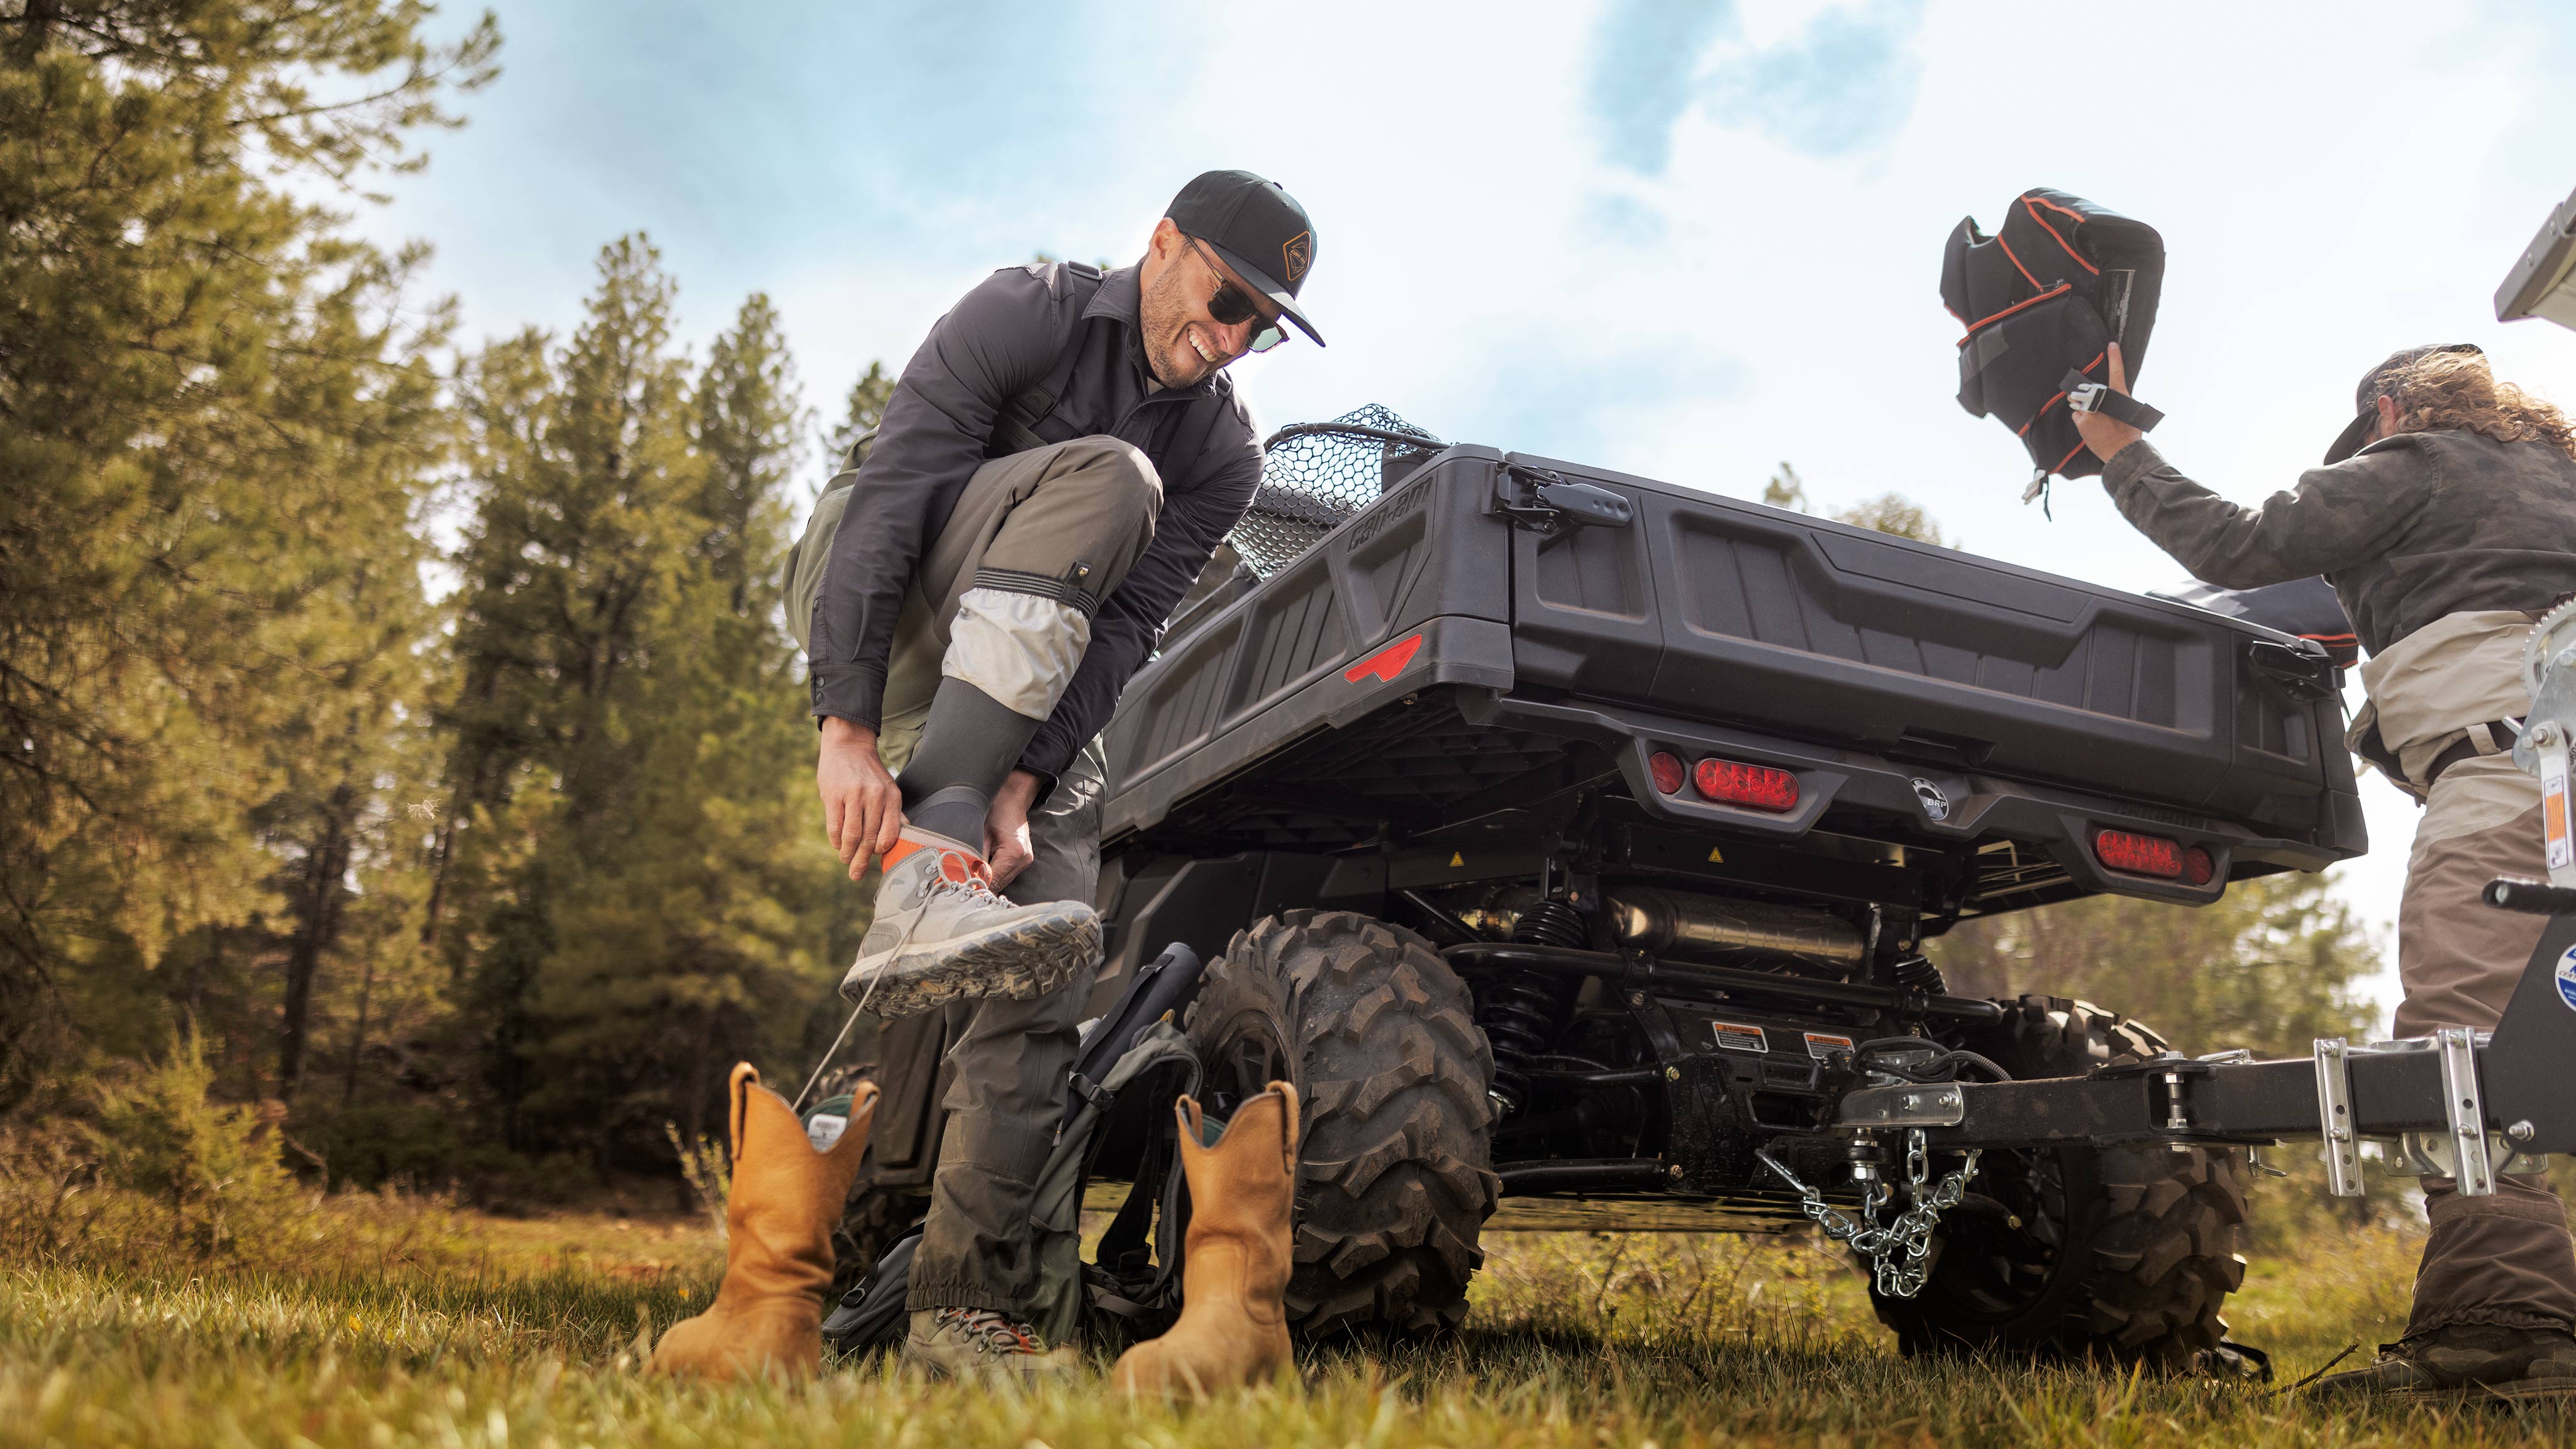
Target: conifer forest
404,725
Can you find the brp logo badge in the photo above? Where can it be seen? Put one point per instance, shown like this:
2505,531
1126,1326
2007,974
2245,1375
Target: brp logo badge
2567,977
1935,804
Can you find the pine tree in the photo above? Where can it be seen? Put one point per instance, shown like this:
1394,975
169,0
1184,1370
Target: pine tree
631,890
216,412
577,464
692,938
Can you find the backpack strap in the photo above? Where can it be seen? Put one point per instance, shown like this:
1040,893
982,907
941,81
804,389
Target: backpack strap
2084,395
1010,433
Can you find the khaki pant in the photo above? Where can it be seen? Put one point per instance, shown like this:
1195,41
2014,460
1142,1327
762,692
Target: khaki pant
2504,1259
1062,523
1079,513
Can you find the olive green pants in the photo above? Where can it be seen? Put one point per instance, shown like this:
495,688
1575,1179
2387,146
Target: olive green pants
2503,1259
1056,525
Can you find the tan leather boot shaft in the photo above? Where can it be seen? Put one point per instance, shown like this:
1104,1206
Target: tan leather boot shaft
1233,1328
768,1315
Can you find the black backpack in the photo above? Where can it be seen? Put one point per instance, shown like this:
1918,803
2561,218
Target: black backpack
2041,300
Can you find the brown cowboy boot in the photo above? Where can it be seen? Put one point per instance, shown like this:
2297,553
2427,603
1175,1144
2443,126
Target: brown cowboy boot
768,1315
1234,1325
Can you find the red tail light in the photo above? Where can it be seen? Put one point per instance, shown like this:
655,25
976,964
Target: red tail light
2197,867
1667,768
2138,854
1756,787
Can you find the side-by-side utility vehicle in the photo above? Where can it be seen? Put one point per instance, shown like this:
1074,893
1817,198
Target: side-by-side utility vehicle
1572,840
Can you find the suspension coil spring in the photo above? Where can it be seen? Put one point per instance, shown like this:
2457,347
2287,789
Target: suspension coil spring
1522,1012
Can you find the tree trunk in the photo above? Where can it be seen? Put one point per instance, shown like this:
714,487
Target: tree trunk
358,1035
317,929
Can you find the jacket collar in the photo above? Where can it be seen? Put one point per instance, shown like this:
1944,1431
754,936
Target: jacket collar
1120,298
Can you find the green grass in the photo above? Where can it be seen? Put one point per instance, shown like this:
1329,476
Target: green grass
406,1323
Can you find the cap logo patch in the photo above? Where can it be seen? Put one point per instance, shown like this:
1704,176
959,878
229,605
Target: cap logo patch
1299,253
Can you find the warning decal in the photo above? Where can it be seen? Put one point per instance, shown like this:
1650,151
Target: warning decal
2559,851
1733,1037
1818,1043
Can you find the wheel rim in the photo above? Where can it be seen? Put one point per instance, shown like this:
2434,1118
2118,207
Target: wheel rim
1989,1272
1249,1057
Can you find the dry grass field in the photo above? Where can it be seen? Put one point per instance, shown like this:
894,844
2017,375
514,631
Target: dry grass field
384,1321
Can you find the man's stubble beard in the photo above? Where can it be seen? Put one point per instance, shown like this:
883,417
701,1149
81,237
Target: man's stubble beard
1162,317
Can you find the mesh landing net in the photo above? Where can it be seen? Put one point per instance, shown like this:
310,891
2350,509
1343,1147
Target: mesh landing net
1315,475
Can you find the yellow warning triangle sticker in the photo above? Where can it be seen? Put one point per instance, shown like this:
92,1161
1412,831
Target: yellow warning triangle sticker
1714,857
1457,857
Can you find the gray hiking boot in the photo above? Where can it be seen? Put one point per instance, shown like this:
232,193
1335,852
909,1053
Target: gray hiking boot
941,933
980,1343
2477,1359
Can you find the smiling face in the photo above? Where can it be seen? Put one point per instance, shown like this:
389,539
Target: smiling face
1183,344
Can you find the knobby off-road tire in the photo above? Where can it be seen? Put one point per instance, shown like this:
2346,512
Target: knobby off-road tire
2121,1254
1395,1178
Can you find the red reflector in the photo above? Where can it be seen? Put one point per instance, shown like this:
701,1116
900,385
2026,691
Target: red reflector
1667,768
2197,867
1386,663
1755,787
2138,854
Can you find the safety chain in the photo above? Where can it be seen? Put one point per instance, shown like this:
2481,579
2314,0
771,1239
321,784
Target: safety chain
1898,1253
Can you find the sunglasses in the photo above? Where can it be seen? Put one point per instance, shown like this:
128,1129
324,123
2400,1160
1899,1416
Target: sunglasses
1232,306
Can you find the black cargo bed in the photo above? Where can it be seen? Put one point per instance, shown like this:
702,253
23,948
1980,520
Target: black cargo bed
1428,660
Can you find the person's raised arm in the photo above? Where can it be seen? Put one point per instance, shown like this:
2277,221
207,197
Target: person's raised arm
2335,518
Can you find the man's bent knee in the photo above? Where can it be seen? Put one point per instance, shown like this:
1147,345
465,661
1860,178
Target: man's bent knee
1124,479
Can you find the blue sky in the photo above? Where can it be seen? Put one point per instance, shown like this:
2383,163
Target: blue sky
1686,238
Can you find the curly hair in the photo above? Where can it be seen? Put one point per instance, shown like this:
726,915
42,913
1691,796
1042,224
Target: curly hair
2458,390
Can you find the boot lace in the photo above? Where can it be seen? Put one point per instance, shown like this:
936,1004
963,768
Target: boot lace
990,1330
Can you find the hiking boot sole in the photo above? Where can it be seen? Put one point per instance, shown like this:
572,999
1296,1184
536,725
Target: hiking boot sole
1016,962
2530,1391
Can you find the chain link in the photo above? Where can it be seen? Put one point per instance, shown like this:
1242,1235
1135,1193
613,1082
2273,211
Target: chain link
1898,1254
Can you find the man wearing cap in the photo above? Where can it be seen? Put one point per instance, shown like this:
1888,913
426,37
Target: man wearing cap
1056,465
2445,519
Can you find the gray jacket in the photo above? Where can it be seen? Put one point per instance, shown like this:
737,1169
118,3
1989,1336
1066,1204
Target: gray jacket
1033,355
2407,530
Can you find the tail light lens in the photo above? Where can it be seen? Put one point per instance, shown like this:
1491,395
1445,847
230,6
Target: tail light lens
1755,787
2197,867
1667,769
2138,854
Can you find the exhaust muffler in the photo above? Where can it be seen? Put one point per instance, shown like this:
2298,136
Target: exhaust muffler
1707,928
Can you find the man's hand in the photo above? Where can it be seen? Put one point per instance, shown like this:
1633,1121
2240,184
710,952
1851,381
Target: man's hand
862,808
1006,828
2105,437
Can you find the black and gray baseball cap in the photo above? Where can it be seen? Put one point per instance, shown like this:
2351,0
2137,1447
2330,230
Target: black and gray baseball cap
1260,231
2365,399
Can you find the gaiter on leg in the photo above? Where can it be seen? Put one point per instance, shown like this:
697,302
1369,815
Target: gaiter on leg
967,749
